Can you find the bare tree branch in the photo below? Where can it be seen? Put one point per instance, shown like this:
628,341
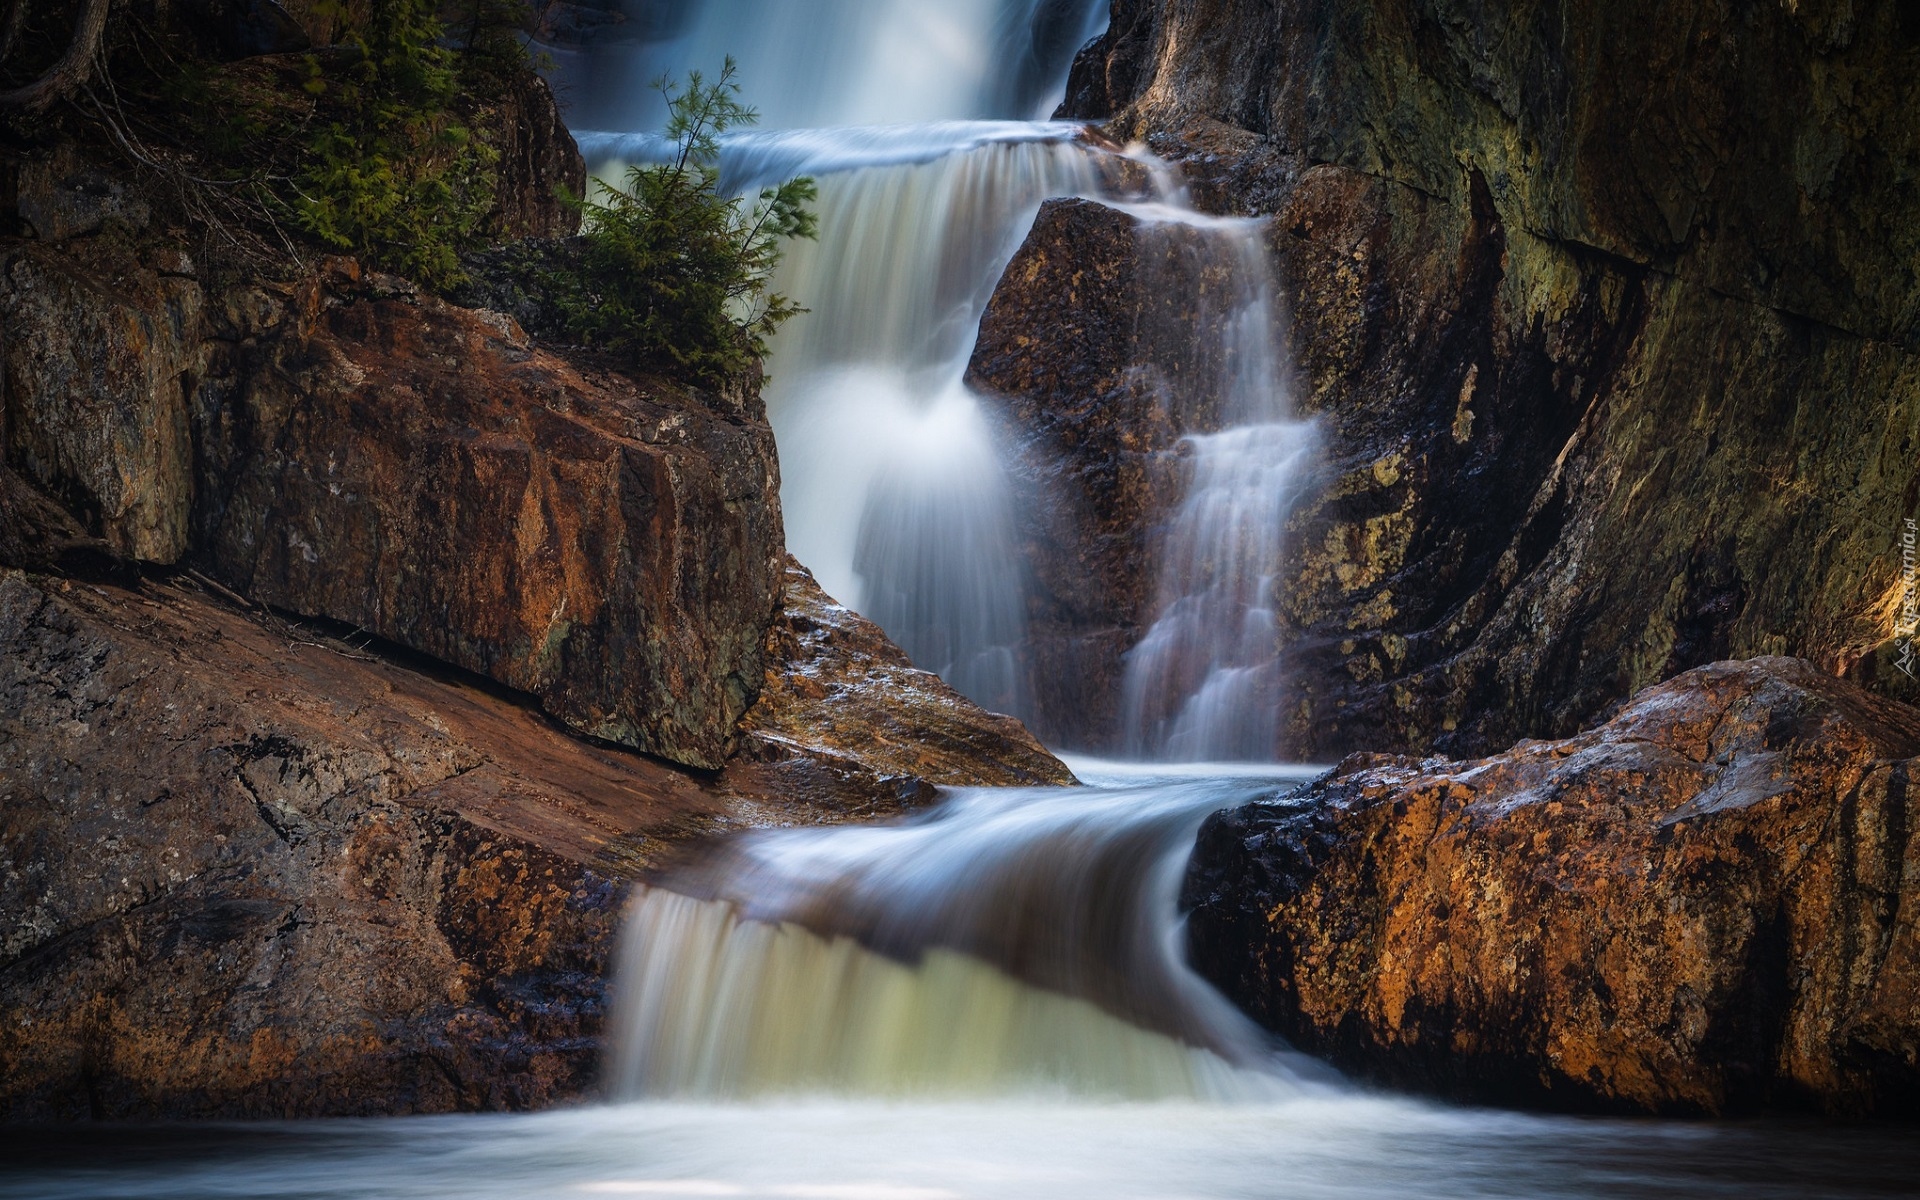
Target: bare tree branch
73,68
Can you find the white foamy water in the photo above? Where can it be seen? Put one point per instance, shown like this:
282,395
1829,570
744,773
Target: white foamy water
1318,1148
1009,941
1205,682
812,63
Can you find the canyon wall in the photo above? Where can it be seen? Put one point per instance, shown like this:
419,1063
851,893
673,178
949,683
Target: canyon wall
1609,315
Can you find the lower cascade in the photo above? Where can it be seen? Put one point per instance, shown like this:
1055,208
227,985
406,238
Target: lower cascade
1008,941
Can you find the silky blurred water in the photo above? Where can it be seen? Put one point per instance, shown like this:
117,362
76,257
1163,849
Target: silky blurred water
1008,942
987,1000
1312,1148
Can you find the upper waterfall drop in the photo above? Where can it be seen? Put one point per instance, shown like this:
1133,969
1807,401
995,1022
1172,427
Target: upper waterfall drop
896,486
849,62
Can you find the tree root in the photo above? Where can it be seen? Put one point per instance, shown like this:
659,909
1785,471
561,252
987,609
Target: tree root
74,67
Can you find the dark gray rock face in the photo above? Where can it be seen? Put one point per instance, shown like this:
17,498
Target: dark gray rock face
1608,314
100,355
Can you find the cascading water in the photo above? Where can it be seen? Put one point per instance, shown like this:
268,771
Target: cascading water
892,480
1015,940
1009,940
1205,683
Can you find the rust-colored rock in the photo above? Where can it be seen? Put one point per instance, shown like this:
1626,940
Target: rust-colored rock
246,873
100,354
843,711
247,868
1703,906
428,474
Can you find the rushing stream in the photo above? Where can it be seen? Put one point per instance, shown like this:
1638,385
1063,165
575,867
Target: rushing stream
984,1003
989,999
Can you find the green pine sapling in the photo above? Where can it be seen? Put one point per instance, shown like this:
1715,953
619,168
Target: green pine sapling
676,275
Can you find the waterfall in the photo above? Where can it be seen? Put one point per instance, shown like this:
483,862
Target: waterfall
893,478
822,63
1014,940
894,481
1205,681
1010,940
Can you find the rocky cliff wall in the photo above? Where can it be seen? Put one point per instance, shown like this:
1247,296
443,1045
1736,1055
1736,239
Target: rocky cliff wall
345,447
360,654
431,475
255,867
1608,316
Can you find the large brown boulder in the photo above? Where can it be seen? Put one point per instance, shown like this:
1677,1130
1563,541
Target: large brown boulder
247,872
426,473
1702,906
1604,319
251,868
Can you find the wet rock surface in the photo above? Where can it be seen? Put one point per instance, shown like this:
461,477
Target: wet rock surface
258,867
1702,906
345,447
843,712
1068,354
1594,354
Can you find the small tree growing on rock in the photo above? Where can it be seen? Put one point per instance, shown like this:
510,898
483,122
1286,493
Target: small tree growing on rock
674,273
